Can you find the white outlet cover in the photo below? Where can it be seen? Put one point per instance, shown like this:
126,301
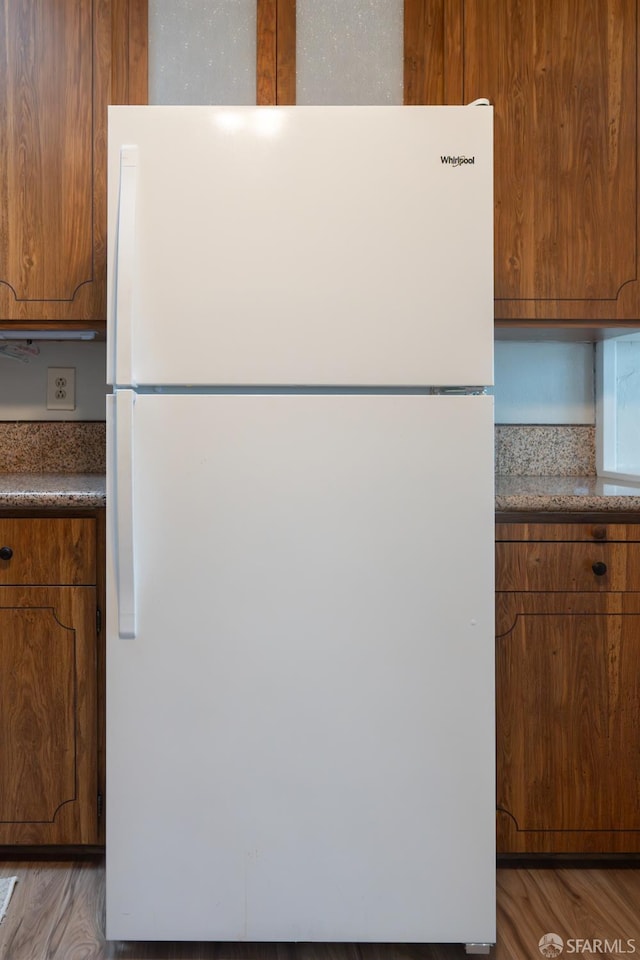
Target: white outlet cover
61,388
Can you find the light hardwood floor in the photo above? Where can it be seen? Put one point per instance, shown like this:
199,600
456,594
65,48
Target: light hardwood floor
56,913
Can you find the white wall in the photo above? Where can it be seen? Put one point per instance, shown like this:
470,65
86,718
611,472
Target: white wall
23,386
535,382
544,382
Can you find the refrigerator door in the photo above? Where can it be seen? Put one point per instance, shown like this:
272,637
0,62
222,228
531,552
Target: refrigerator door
300,245
300,709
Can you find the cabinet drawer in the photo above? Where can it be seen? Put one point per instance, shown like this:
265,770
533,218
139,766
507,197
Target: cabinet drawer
587,532
547,566
47,551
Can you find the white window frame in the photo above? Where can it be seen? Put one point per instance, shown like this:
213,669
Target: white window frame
607,410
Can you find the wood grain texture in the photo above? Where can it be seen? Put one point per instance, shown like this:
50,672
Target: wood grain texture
48,715
57,912
46,74
266,55
567,717
101,669
286,53
424,52
60,66
561,566
37,720
600,531
48,550
563,79
276,52
129,38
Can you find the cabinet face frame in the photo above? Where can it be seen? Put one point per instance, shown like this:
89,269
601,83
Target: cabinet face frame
276,52
547,824
81,822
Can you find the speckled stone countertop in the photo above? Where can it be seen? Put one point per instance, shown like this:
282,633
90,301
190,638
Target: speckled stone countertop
570,494
52,465
544,494
58,465
52,490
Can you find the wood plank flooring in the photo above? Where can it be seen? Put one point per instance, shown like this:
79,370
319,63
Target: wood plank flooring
57,911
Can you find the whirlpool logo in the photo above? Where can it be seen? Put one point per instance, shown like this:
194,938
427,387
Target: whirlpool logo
457,161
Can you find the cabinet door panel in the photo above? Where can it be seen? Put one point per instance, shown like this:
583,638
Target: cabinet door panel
60,65
47,151
38,653
562,77
47,163
568,709
563,80
48,780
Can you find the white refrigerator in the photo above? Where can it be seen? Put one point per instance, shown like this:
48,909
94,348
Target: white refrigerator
300,680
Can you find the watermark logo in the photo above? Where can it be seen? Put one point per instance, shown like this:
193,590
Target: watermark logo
551,945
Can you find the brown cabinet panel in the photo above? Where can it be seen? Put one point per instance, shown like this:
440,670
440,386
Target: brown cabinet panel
50,679
598,532
60,66
545,566
53,233
48,781
46,152
567,716
575,723
567,688
562,76
48,551
563,79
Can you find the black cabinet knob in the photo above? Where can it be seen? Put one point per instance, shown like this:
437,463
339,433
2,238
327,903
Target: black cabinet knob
6,553
599,568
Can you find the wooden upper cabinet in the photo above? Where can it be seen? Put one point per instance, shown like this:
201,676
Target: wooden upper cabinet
276,52
62,63
562,76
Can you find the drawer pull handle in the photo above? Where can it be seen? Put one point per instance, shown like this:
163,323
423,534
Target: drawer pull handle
599,568
6,553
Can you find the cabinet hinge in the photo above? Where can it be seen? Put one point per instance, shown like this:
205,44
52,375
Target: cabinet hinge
100,804
98,619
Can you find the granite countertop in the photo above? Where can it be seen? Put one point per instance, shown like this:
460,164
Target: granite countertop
527,493
55,490
513,493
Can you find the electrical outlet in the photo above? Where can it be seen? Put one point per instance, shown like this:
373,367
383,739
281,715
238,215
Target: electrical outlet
61,388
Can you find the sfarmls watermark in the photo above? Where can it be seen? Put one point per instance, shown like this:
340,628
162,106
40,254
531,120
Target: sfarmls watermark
551,945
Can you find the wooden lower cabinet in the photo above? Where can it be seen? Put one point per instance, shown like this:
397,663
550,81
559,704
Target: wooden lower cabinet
48,683
568,698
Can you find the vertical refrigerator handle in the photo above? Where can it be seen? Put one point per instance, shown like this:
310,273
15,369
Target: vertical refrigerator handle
121,348
123,532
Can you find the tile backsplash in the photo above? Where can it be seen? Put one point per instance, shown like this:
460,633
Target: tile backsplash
79,447
545,450
56,447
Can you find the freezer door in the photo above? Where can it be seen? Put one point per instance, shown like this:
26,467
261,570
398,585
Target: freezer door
300,723
301,245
